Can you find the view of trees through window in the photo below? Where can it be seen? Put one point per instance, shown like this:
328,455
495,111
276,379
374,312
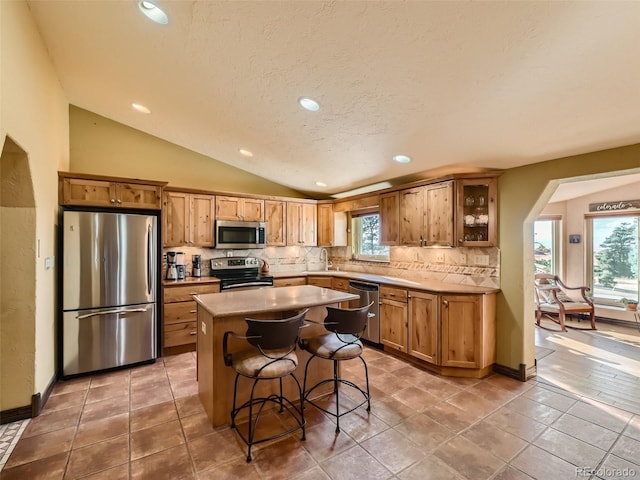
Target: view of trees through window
544,244
367,237
615,258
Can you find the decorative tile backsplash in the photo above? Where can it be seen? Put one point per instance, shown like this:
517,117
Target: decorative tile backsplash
467,266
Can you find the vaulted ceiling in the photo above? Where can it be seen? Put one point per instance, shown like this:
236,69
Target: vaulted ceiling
454,85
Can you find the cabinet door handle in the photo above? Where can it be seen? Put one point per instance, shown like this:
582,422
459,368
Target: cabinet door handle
113,200
119,201
445,303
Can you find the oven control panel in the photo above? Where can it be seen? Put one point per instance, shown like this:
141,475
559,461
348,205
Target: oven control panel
224,263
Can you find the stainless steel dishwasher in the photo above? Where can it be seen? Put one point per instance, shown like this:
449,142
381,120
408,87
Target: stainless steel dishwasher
368,292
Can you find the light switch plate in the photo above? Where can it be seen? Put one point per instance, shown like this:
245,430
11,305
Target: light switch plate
49,262
440,257
463,258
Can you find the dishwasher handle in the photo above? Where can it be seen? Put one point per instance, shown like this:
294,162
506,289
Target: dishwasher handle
370,287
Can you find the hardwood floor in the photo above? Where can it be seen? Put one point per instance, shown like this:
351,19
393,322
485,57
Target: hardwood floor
603,365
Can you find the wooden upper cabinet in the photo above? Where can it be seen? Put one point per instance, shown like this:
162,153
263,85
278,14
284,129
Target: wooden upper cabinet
100,192
332,226
477,212
275,216
412,212
389,218
439,218
301,224
201,219
240,208
188,219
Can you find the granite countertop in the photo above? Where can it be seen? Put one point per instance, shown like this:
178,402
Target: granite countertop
265,300
414,283
191,281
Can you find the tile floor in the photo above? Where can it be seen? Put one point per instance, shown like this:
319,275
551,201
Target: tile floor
147,423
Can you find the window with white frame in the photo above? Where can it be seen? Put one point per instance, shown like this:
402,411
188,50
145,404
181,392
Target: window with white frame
613,252
547,244
365,227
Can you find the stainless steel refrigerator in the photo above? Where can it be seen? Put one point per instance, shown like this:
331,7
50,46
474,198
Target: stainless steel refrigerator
109,290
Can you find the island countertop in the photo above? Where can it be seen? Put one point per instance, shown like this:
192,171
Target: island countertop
267,300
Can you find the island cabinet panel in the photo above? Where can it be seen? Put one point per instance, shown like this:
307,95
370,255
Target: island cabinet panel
390,218
423,326
276,217
461,330
240,209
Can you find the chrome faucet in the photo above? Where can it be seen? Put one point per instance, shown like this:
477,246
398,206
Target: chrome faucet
324,255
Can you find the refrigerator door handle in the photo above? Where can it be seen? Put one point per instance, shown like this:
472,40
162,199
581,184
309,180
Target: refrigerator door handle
109,312
149,259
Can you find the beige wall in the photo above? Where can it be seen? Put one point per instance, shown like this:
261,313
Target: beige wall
34,113
101,146
523,193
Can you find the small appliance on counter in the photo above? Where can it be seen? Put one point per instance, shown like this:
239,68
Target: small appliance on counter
196,266
172,268
180,266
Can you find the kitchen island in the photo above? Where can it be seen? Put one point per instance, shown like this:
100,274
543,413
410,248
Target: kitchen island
226,311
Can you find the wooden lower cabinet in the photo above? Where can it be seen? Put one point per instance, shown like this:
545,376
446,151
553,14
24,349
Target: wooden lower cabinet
451,334
179,316
289,282
467,331
325,282
423,326
393,318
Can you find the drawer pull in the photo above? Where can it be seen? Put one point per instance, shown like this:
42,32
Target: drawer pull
193,333
193,311
193,293
392,294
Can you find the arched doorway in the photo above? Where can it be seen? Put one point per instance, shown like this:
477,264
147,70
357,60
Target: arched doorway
18,253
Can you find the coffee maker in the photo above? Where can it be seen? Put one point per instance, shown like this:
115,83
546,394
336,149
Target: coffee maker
180,266
196,266
172,268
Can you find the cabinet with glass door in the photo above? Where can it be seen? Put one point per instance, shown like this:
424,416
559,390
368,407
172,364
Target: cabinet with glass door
477,212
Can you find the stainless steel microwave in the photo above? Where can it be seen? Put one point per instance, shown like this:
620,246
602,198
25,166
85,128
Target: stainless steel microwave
232,234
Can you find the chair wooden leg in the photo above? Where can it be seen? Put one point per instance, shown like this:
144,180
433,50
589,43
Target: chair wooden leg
561,319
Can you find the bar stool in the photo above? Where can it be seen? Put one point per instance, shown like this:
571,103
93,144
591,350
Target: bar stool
345,327
270,355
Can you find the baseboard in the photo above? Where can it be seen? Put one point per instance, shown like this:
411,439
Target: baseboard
522,373
15,414
38,402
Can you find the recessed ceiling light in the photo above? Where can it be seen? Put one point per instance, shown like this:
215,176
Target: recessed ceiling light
246,153
309,104
402,158
321,184
140,108
153,12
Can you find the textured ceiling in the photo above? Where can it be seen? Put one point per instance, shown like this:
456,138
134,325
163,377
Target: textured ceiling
455,85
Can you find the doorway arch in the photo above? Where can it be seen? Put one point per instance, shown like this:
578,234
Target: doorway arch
18,254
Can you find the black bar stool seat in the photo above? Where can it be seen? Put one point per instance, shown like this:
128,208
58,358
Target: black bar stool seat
270,354
345,327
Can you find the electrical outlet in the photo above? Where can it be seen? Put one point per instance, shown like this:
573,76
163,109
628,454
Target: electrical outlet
440,257
482,259
463,258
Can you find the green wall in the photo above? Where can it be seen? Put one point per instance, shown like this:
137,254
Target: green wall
523,192
100,146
